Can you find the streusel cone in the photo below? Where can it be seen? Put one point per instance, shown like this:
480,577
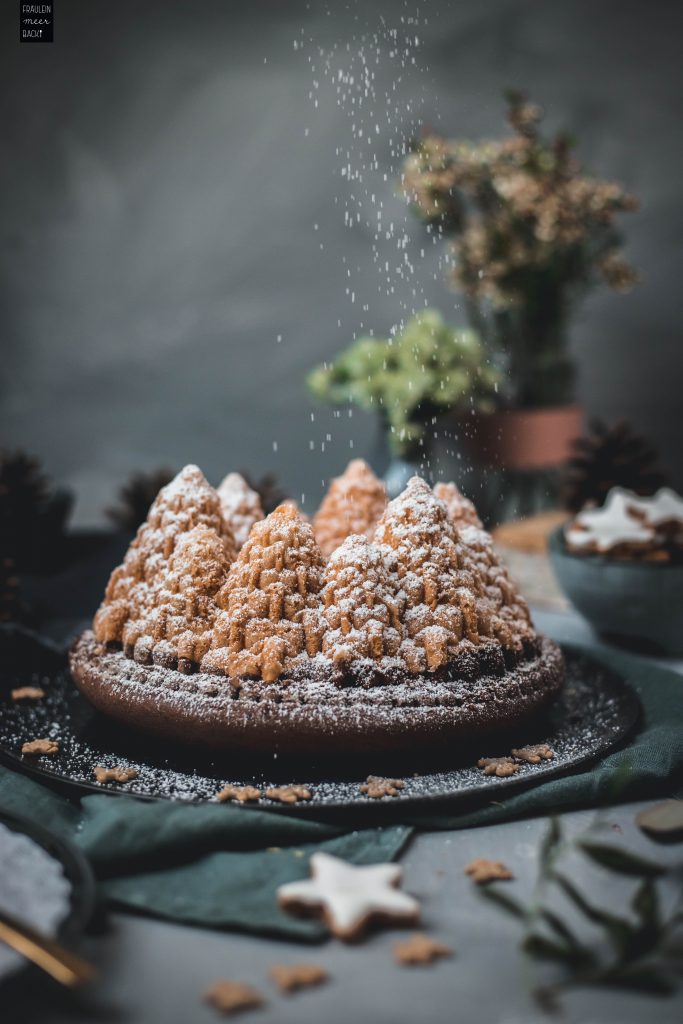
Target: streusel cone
178,630
270,601
455,587
187,501
353,504
291,503
240,506
499,602
362,604
440,611
461,511
500,605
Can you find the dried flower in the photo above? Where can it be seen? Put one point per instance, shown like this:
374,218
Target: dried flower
528,229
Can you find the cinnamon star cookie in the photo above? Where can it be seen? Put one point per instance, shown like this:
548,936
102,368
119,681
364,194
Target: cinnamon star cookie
350,898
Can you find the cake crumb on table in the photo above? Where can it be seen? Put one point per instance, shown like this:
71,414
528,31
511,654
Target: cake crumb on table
232,996
482,870
296,976
420,949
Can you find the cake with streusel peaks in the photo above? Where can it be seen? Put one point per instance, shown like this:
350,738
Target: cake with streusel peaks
406,633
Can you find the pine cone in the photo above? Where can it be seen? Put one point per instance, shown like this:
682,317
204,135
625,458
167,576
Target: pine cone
12,608
136,497
609,457
32,515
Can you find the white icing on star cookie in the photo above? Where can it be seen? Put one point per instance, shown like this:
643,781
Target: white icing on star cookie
350,897
663,509
613,525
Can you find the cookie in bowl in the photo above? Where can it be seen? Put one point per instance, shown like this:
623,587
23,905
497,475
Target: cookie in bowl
629,526
621,566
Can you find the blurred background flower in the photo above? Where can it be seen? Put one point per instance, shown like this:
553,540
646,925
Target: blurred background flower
530,233
425,371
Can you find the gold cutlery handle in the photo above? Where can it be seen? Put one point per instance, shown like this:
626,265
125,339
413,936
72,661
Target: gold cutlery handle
46,953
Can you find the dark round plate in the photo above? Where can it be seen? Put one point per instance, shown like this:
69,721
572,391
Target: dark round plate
76,871
594,713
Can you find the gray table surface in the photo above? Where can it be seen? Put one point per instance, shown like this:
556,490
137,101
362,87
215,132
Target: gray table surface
153,972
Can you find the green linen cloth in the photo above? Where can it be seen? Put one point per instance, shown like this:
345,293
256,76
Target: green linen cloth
212,864
219,865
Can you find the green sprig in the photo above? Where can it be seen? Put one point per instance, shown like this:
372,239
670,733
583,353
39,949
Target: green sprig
426,369
639,946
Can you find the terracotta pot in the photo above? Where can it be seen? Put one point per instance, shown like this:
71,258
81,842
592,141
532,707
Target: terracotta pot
525,439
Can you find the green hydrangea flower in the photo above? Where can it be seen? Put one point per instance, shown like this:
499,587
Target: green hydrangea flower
426,369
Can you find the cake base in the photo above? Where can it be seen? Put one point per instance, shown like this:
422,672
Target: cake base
312,716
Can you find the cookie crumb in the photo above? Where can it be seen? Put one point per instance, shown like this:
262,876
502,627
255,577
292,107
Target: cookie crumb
288,794
500,766
243,794
482,870
103,774
534,754
420,949
27,693
40,747
376,787
289,979
232,996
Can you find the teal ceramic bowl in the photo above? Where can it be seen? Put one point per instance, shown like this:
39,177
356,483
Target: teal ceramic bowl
639,603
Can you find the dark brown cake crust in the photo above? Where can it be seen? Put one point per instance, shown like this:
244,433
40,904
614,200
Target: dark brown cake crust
312,715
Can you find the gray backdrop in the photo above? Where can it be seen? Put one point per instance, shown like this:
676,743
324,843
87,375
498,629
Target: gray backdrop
175,246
